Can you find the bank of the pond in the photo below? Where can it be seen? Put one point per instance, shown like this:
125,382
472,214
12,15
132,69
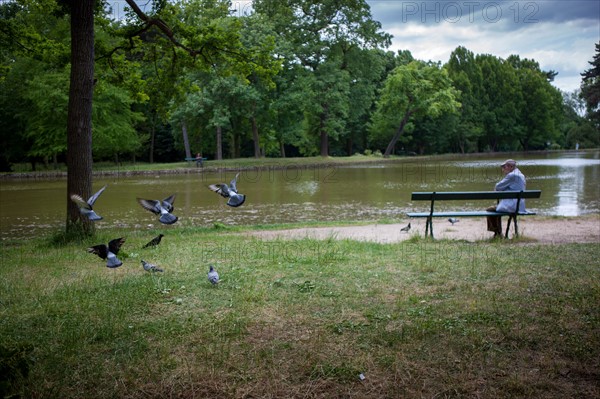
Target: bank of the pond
232,165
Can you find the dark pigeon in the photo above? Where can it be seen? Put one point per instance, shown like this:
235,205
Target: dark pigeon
86,207
453,220
229,191
155,241
149,267
213,276
162,208
109,253
407,228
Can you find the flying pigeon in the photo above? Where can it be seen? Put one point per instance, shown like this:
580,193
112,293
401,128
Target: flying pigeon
453,220
155,241
162,208
109,253
407,228
229,191
213,276
149,267
85,207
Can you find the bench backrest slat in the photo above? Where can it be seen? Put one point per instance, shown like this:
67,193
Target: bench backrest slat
474,195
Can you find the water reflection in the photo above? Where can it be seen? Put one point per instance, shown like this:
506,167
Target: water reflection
568,182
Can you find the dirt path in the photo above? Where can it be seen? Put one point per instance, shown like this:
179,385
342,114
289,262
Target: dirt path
540,229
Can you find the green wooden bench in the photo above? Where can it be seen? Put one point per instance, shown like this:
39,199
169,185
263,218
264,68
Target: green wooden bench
199,161
471,195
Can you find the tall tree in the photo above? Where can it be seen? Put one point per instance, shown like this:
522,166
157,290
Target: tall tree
590,88
320,34
79,114
410,91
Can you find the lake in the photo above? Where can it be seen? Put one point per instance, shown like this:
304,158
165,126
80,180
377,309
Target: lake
380,191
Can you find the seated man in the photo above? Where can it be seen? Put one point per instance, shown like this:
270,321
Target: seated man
199,160
513,180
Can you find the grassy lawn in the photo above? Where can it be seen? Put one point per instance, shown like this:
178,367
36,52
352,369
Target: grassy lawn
300,319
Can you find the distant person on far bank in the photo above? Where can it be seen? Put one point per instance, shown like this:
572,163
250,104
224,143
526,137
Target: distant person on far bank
513,180
199,160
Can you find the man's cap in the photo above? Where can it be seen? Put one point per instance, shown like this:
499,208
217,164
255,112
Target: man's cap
510,162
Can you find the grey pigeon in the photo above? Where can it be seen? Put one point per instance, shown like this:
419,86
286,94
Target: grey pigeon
453,220
155,241
109,253
162,208
149,267
407,228
229,191
213,276
86,207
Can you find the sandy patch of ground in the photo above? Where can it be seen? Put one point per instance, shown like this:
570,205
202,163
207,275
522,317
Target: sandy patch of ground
538,229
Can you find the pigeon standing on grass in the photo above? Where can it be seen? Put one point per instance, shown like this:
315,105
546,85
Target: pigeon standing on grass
229,191
407,228
149,267
213,276
453,220
155,241
162,208
86,207
109,253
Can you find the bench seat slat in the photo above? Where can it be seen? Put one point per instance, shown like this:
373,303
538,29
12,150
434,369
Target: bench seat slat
473,195
464,214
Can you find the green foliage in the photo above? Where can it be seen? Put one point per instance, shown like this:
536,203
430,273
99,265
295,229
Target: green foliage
412,91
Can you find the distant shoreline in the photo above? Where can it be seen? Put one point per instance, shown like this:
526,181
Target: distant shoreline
231,165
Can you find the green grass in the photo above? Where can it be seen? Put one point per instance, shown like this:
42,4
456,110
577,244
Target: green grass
300,318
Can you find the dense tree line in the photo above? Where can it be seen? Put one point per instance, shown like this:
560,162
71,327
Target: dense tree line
291,78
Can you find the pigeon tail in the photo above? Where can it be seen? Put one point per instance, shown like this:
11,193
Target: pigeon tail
92,215
236,200
167,218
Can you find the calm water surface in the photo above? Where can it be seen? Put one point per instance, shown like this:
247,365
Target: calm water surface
569,184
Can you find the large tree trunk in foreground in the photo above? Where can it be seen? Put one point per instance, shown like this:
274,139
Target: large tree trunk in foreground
79,119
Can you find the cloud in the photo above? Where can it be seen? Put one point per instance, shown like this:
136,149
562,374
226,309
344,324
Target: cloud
559,35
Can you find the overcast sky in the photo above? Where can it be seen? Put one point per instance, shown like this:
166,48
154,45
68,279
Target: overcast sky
559,35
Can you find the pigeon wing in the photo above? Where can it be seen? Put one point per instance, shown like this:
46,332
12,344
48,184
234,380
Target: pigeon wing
233,184
150,205
221,189
94,197
81,203
168,203
101,250
115,245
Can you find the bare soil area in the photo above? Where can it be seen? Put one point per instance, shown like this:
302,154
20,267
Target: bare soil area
538,229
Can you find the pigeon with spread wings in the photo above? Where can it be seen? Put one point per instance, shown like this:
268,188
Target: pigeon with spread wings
229,191
109,252
86,207
162,208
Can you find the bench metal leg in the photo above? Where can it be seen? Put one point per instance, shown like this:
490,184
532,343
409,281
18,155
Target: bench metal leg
514,219
429,227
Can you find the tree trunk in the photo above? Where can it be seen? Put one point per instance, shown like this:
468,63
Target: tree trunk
219,143
79,119
255,138
282,148
186,141
392,143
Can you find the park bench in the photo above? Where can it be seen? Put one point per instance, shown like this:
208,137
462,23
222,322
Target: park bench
471,195
199,161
